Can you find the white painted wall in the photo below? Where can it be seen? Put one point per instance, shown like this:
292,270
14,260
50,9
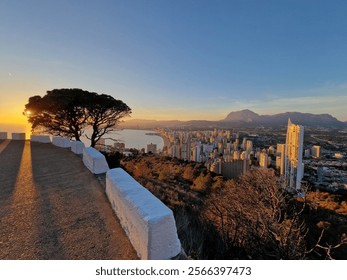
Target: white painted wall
95,161
40,138
3,135
149,224
61,142
18,136
77,147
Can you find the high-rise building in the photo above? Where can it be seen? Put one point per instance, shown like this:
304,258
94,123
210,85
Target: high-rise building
236,144
244,155
197,153
249,145
216,166
175,151
264,160
294,169
278,162
236,155
281,152
307,153
119,146
271,150
235,168
243,145
152,148
315,151
184,153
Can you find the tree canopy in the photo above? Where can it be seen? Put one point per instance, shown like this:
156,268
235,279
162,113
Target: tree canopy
69,112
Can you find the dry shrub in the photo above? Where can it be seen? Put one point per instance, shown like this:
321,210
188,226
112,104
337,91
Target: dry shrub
251,213
240,219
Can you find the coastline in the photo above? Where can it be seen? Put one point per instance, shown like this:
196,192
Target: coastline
166,140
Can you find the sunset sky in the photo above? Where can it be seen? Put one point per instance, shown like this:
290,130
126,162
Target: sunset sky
178,59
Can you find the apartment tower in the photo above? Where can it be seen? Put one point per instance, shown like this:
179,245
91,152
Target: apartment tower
294,169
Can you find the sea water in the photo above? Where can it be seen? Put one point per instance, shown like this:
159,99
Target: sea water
132,138
138,139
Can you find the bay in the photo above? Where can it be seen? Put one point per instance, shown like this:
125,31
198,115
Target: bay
133,138
138,139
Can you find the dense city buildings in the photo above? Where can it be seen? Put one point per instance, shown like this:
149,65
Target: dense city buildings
294,155
220,150
316,158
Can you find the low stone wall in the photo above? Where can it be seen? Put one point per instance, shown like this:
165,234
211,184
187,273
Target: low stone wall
18,136
3,135
149,224
61,142
95,161
77,147
40,138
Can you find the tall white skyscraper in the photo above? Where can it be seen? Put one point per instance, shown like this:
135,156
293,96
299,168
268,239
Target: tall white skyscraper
294,169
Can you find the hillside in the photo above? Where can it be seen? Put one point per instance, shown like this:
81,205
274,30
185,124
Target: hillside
244,118
216,217
305,119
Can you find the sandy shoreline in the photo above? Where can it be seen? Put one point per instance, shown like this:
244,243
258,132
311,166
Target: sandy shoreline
166,140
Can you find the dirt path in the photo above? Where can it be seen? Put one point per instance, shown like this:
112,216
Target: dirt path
52,207
3,144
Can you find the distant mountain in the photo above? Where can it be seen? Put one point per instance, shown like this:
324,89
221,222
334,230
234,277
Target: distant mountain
243,118
306,119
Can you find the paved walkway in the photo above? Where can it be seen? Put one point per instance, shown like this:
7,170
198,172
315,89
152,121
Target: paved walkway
52,207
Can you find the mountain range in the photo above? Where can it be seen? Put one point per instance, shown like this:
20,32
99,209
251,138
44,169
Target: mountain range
246,118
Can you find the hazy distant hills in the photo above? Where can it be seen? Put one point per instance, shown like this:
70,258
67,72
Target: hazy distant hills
306,119
245,118
242,116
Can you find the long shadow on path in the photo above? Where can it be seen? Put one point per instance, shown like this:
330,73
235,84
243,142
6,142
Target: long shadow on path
75,220
52,207
10,160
